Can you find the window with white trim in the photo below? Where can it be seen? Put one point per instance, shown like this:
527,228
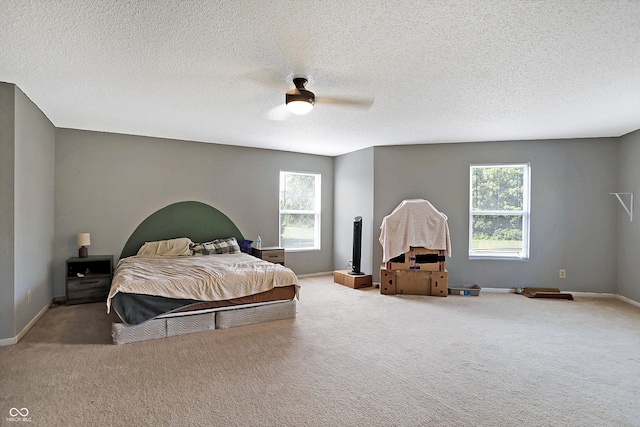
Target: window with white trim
299,211
499,211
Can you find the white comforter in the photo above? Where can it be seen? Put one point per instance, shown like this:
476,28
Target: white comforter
203,278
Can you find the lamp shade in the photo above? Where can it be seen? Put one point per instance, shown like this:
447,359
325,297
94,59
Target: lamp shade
83,239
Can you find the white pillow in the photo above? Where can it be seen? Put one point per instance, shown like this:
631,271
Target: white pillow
178,246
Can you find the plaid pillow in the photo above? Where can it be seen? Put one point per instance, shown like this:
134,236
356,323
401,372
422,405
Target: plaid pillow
218,246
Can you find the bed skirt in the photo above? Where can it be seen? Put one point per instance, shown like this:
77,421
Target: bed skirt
186,323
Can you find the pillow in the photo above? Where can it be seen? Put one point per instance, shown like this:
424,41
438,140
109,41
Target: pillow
180,246
218,246
245,245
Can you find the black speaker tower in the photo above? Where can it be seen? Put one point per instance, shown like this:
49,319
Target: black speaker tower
357,247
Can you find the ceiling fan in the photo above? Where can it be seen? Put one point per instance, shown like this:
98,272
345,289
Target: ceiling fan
301,101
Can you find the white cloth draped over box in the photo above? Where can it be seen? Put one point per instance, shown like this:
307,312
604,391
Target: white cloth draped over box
414,223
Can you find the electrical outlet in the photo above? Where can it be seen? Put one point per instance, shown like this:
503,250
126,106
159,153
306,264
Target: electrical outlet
29,297
563,273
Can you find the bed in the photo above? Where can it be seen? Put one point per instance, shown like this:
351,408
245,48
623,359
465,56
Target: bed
186,268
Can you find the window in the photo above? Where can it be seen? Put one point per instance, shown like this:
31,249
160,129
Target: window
299,211
499,211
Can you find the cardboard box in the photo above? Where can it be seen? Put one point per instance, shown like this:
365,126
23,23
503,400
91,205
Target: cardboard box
418,259
428,259
413,282
439,283
356,282
387,282
401,262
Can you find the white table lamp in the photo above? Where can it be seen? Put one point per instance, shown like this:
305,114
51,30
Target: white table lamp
83,240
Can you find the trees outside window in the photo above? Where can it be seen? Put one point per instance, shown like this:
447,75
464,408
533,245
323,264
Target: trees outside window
499,211
299,211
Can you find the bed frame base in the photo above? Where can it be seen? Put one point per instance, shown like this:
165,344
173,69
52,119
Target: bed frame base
203,321
257,314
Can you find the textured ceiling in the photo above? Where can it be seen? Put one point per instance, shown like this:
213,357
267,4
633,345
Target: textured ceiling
437,71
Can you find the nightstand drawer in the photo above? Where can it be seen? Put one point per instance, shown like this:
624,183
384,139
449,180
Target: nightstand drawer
82,289
272,254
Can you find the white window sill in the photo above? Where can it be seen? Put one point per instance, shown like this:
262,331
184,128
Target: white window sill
497,258
301,249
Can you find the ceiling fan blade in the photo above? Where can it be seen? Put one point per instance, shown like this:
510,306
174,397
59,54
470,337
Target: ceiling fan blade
267,78
279,113
347,102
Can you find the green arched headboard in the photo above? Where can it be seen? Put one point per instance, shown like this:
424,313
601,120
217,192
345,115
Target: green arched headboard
195,220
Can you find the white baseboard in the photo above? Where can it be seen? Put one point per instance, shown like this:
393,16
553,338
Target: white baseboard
23,332
593,294
628,300
8,341
499,290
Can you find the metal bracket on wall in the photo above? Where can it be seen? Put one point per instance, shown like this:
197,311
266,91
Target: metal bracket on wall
629,208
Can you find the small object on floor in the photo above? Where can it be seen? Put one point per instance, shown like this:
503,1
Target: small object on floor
545,293
356,282
465,290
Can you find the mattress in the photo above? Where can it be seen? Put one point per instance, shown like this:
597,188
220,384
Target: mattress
135,309
202,278
145,287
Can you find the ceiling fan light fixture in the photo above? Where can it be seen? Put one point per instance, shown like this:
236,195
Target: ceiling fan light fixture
300,103
299,107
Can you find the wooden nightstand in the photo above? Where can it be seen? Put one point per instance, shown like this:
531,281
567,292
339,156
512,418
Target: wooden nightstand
271,253
88,279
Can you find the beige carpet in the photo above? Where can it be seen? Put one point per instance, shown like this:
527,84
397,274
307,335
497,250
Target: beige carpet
350,358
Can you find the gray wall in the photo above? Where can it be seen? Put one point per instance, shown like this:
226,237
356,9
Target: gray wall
34,207
573,217
628,231
7,229
353,197
106,184
27,146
